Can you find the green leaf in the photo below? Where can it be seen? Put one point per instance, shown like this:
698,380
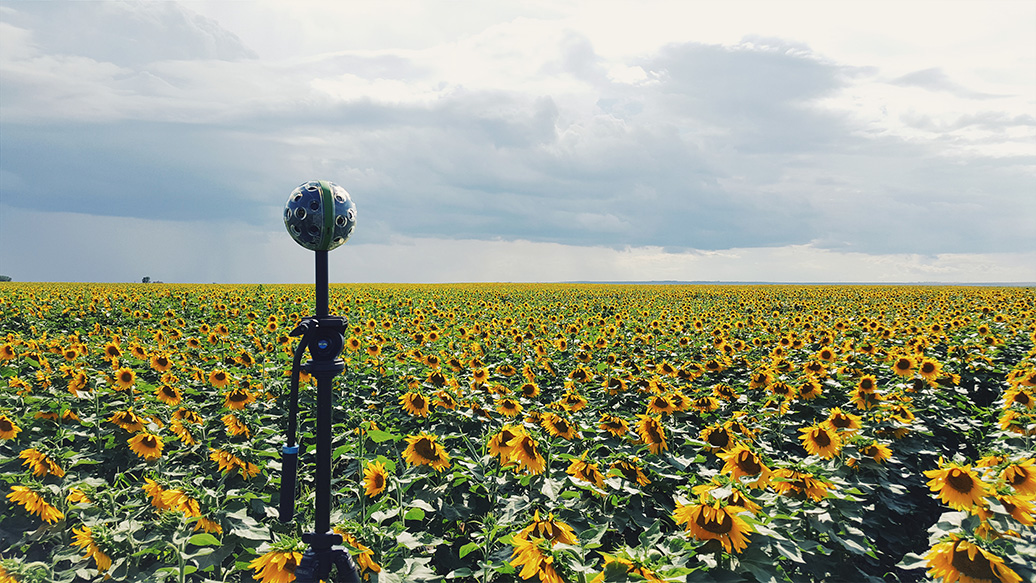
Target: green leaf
414,514
203,539
464,550
379,436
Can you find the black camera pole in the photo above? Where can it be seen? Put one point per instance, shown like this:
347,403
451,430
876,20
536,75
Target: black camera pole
324,336
320,216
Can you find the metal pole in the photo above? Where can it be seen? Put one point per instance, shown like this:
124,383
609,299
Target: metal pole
322,284
323,478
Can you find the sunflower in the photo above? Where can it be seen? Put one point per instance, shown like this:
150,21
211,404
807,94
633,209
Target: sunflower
35,504
8,428
614,425
181,432
743,462
41,464
238,398
659,404
124,378
230,463
1021,476
529,390
375,479
1020,508
127,420
705,404
535,560
957,485
929,369
508,407
188,416
276,566
549,529
652,433
718,437
415,404
77,496
84,539
791,482
77,383
424,450
839,420
585,471
810,390
365,556
7,352
904,366
219,379
1019,396
146,445
525,452
819,440
632,567
235,426
498,444
961,560
631,470
154,490
558,426
877,451
725,392
573,402
168,395
713,521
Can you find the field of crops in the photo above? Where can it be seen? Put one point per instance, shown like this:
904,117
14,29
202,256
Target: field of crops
525,432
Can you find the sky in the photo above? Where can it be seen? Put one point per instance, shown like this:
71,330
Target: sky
532,141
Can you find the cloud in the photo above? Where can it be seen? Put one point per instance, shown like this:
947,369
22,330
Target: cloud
523,128
935,79
112,249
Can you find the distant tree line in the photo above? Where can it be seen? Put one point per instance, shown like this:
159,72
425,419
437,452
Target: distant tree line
5,278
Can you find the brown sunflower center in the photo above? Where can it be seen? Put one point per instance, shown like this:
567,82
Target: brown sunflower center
866,384
660,403
238,396
6,424
126,377
841,420
561,425
528,448
418,402
927,368
719,523
168,391
822,438
653,433
1022,398
748,463
719,437
379,481
904,364
149,442
975,568
425,448
960,481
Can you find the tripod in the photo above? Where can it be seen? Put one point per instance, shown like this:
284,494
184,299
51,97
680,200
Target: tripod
324,336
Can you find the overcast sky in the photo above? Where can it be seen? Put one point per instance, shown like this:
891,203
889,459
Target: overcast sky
521,141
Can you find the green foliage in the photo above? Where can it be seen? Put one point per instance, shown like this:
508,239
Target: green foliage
205,508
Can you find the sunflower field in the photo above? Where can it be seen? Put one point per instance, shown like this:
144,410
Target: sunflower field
509,433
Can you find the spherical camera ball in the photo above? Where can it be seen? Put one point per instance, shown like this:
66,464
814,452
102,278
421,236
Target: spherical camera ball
319,215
